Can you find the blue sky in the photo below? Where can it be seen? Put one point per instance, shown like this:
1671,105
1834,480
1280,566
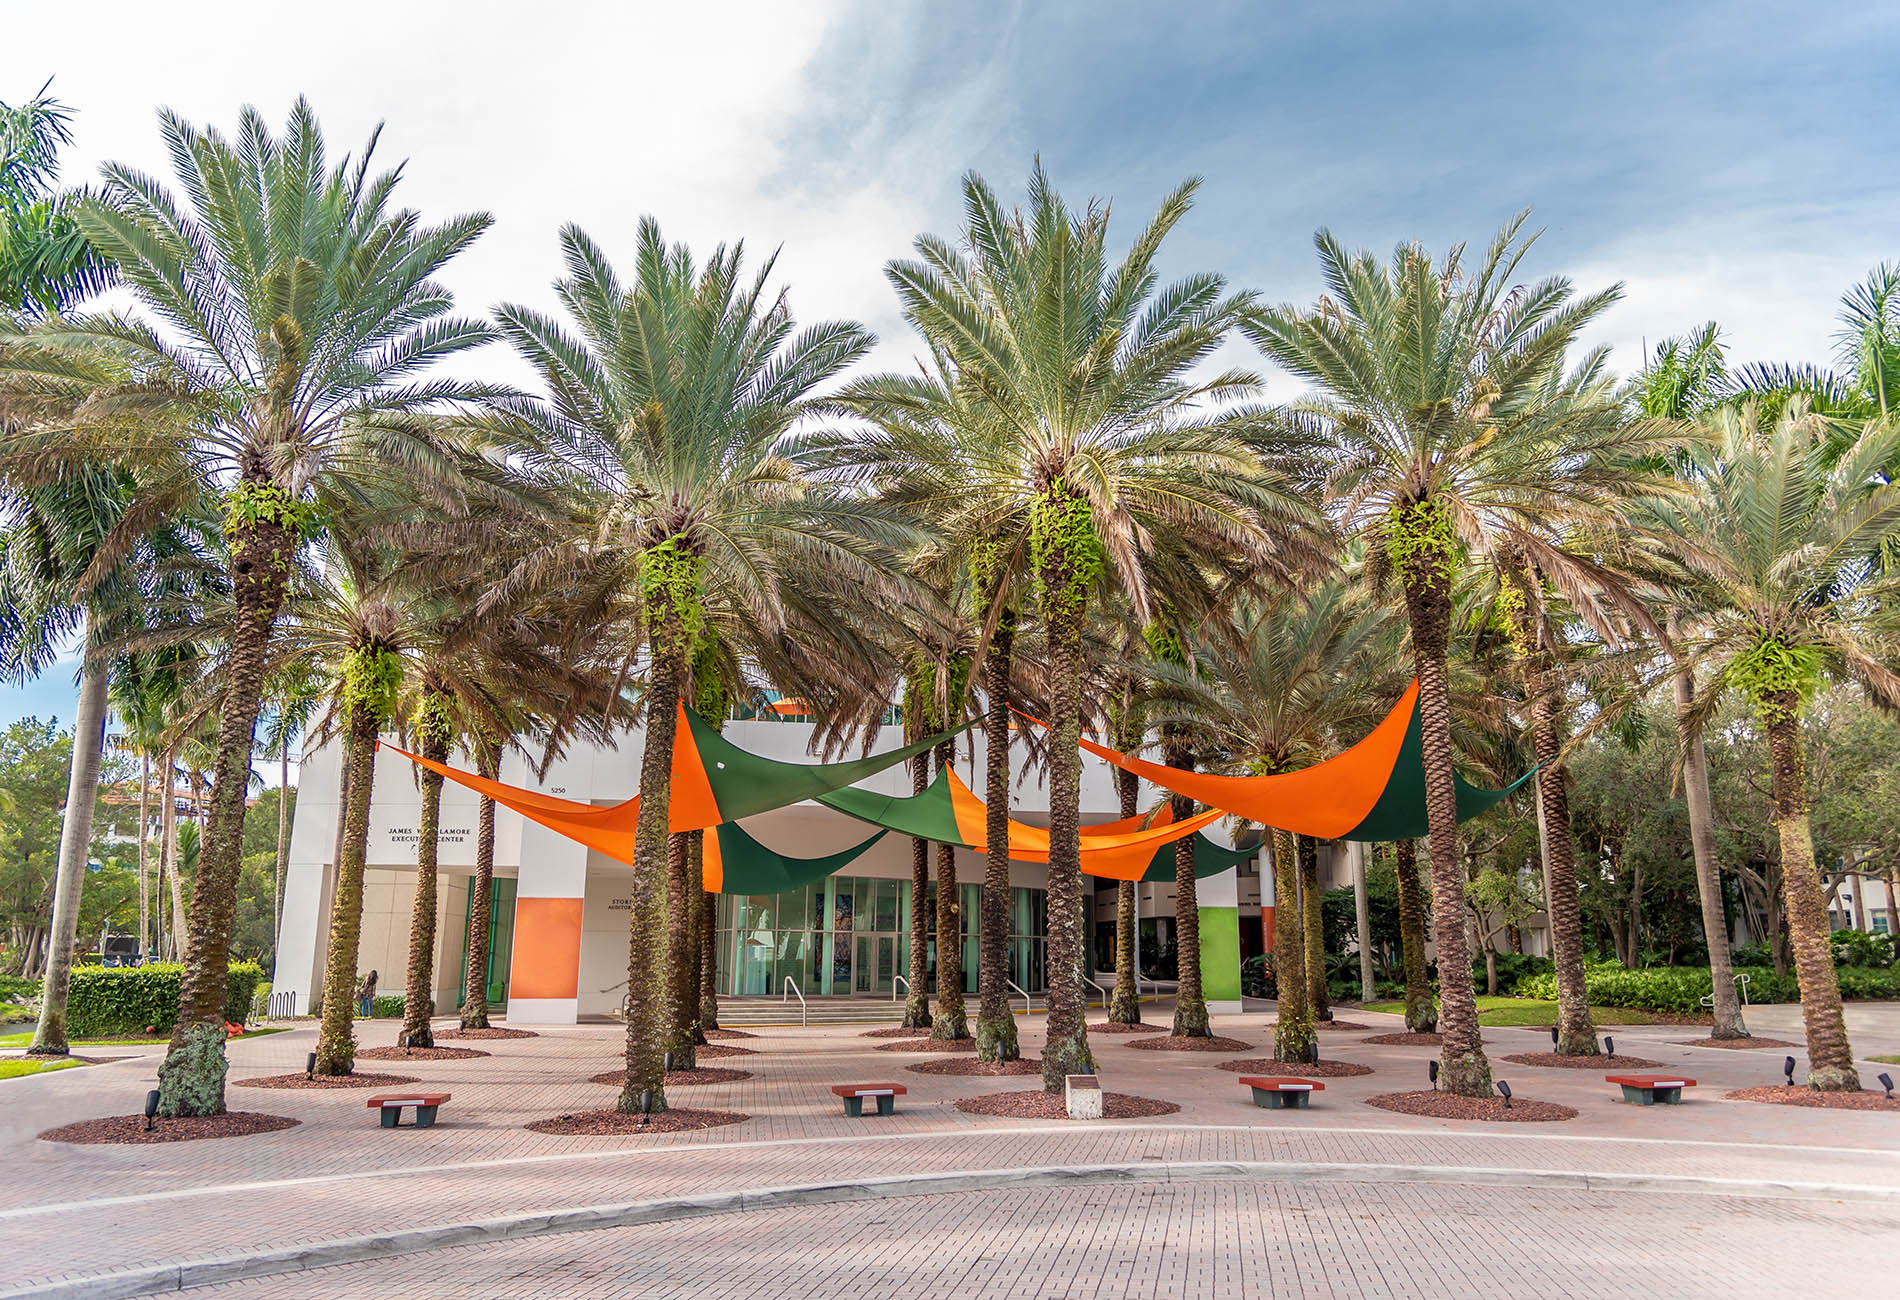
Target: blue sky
1729,161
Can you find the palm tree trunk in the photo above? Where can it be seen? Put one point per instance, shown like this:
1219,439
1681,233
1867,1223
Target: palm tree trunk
1313,930
1708,868
648,1002
167,850
75,844
1064,580
283,838
917,987
708,956
191,1080
1421,1015
145,890
1465,1070
682,989
481,889
1576,1032
336,1040
995,1024
1190,1006
1830,1057
418,1003
1293,1032
697,906
949,1019
1124,1008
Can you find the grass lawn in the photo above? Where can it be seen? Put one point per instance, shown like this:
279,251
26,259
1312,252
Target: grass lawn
1886,1060
1530,1013
142,1040
15,1069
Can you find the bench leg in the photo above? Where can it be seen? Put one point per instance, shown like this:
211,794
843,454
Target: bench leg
1297,1100
854,1107
425,1116
1639,1096
1669,1096
887,1105
390,1115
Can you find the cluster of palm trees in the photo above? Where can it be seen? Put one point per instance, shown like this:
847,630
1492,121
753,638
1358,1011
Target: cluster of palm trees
1067,506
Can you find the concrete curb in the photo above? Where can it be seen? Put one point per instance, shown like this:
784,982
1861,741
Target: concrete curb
168,1278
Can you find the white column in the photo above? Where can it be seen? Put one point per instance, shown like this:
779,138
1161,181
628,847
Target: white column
1356,855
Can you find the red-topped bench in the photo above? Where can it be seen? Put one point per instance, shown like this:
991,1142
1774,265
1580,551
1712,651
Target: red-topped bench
856,1094
392,1103
1282,1094
1649,1089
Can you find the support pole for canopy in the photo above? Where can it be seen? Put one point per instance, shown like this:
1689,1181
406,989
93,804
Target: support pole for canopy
1356,852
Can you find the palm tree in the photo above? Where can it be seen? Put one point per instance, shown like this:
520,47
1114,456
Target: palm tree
291,309
1435,381
45,260
667,418
1775,562
1865,385
1108,446
293,708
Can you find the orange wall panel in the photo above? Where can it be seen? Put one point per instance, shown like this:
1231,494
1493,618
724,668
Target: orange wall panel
547,961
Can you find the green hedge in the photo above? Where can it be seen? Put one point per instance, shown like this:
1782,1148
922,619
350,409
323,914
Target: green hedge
19,988
1681,989
127,999
387,1006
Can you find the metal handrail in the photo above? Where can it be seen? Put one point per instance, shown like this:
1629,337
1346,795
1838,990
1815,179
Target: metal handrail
895,981
1024,992
1742,980
1101,988
804,1008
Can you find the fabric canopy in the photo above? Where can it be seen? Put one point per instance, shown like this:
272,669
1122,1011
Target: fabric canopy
1210,859
735,863
714,781
1374,791
949,812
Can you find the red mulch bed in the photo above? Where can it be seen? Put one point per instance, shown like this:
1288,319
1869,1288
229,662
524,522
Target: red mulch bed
1348,1025
896,1031
129,1130
1309,1070
1612,1063
1406,1040
962,1065
1443,1105
1049,1105
1116,1027
705,1074
1737,1044
930,1045
1782,1095
1172,1044
323,1082
419,1054
712,1051
611,1123
721,1034
486,1033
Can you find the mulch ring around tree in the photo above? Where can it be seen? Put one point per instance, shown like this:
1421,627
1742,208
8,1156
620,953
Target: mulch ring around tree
1406,1040
1553,1061
1170,1043
323,1082
1445,1105
1737,1043
1049,1105
713,1051
418,1054
1297,1070
896,1031
930,1045
969,1065
721,1034
1782,1095
1116,1027
704,1074
485,1033
611,1123
1346,1025
129,1130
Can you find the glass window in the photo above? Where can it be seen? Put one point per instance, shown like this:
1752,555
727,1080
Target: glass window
885,909
863,893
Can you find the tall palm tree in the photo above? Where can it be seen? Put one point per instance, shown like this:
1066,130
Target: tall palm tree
1109,445
1775,561
1434,379
667,414
291,308
45,260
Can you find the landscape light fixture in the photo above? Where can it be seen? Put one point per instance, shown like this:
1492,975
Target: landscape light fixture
1886,1081
1609,1046
1787,1068
1312,1052
1553,1035
1504,1091
669,1063
646,1106
1432,1066
151,1106
310,1066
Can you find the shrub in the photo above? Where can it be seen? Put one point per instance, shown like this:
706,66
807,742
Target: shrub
386,1006
125,999
1680,989
19,988
1256,977
1862,948
1512,968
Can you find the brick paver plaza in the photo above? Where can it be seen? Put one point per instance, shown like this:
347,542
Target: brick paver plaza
1712,1197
